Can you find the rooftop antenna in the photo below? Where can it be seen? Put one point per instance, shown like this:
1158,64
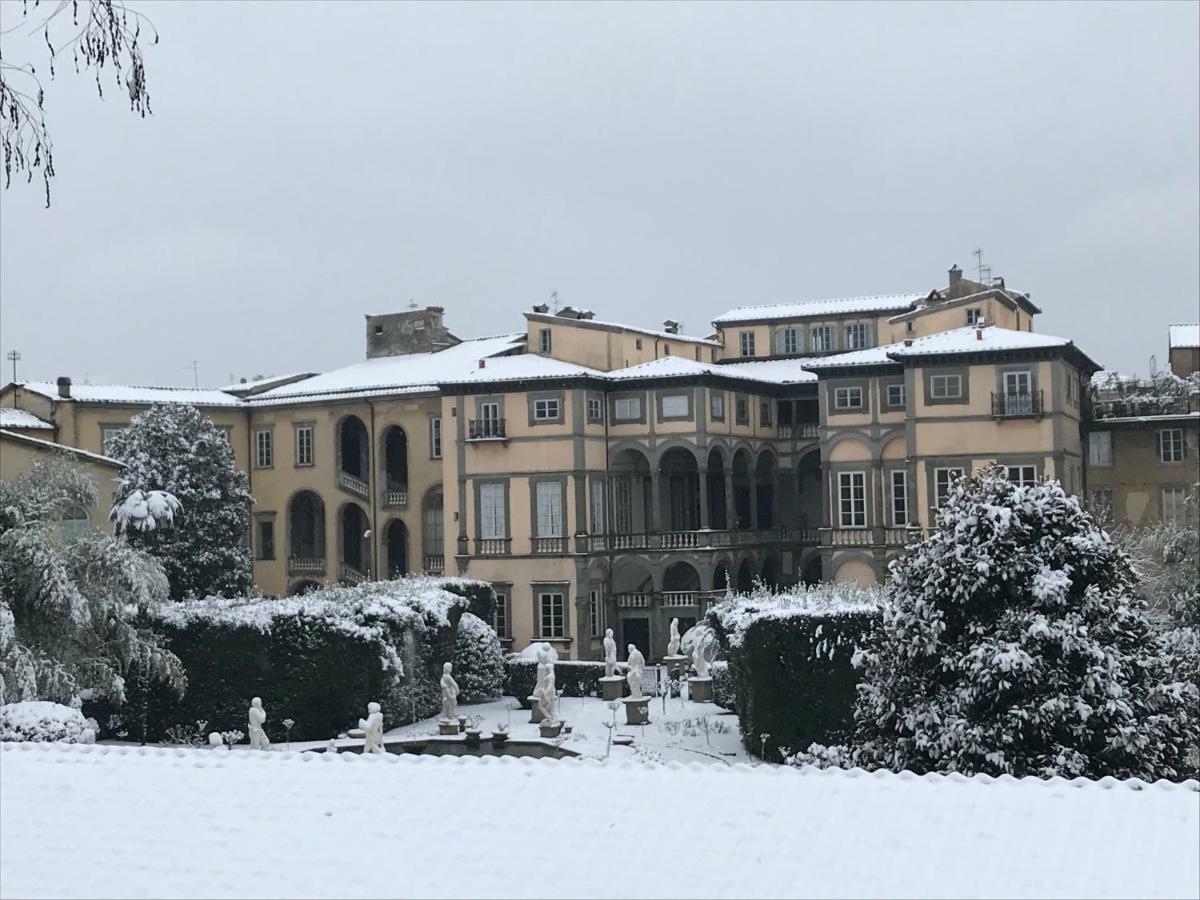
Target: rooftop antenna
13,356
554,301
412,304
195,367
983,271
1153,365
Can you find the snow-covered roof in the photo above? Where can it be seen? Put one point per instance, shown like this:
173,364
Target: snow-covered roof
774,371
59,448
810,308
134,395
524,367
976,340
171,822
20,418
1184,335
413,372
552,319
264,382
872,356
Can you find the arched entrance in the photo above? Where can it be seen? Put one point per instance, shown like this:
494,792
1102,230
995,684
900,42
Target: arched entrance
395,466
681,490
433,533
716,490
355,544
306,533
742,486
808,490
745,577
764,488
353,453
629,475
397,549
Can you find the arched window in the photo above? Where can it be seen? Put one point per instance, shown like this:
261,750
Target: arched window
74,523
432,537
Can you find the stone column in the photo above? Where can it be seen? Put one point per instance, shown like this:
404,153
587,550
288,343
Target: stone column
704,515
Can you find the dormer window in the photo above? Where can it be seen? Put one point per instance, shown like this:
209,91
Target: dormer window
544,340
974,316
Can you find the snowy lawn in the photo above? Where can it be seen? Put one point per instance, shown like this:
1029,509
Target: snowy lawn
100,821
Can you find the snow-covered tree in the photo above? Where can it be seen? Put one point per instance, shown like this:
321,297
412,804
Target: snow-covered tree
177,449
478,661
1166,556
69,610
1017,643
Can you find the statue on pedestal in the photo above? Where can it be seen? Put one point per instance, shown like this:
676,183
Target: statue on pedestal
372,727
547,698
258,717
637,665
673,643
610,654
449,693
704,651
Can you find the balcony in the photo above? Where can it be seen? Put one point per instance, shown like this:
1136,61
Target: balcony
353,484
803,430
872,537
1017,406
1147,405
549,546
852,537
493,547
485,430
698,539
697,600
435,564
305,565
350,574
395,495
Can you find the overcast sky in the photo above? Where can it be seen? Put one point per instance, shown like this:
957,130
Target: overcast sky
308,163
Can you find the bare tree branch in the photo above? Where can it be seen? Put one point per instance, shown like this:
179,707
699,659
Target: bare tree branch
105,36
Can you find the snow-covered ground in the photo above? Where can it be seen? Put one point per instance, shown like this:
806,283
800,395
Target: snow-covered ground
101,821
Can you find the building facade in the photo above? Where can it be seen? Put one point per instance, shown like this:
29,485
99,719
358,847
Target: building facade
603,475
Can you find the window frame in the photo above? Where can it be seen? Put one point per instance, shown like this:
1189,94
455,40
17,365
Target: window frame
857,336
1100,461
1022,470
484,523
847,406
639,416
261,521
1178,503
893,506
974,315
300,429
1170,450
545,340
858,517
596,610
547,409
764,413
887,395
501,618
741,406
945,379
549,593
674,396
746,344
435,437
264,449
716,405
106,432
559,495
938,497
595,410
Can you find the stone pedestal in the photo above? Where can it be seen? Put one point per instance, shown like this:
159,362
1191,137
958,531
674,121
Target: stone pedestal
676,665
499,738
637,710
473,737
535,710
550,729
447,728
612,688
700,690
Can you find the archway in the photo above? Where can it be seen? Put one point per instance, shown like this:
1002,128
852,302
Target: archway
629,475
811,574
742,486
680,490
353,449
808,490
764,487
721,578
769,574
717,518
395,465
306,527
433,532
303,587
681,577
397,549
745,577
355,541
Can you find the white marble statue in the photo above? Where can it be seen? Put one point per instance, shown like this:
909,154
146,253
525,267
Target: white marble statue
258,717
673,643
449,694
637,665
547,699
372,727
545,672
704,651
610,654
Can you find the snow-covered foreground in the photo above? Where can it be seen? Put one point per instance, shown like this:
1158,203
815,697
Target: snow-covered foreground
117,821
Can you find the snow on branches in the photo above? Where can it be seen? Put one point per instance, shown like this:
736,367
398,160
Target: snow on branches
145,511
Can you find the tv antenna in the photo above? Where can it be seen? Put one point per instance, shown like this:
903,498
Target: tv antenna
554,301
195,367
983,271
13,356
412,304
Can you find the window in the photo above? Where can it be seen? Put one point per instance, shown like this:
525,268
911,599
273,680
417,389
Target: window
716,405
697,354
489,420
544,340
597,509
627,409
742,411
547,410
764,413
909,327
265,539
942,481
852,499
595,409
596,611
666,349
435,437
264,450
1170,445
974,316
493,513
73,523
227,433
675,406
107,433
549,509
1100,448
945,387
1022,476
747,343
637,343
822,338
553,611
788,341
304,445
1174,503
896,396
848,398
899,497
856,336
500,614
433,522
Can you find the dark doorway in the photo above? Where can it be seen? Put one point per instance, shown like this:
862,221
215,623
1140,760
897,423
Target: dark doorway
636,632
397,549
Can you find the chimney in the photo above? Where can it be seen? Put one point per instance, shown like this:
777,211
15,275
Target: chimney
955,275
979,334
483,364
908,342
541,308
64,387
670,326
998,282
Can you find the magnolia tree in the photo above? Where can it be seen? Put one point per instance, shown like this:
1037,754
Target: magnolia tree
1017,643
70,608
178,450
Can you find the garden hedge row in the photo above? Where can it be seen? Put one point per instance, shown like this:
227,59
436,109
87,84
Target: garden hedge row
575,678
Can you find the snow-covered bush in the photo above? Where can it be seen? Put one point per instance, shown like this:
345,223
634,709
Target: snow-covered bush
316,658
790,661
1016,643
69,615
178,450
724,692
145,511
1166,556
41,720
478,661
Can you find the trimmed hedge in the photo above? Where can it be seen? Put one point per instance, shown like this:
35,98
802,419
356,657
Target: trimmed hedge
317,659
724,693
790,664
575,678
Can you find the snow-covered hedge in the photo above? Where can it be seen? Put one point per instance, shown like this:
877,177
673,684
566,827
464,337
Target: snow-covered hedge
575,677
318,658
478,661
790,661
724,692
41,720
